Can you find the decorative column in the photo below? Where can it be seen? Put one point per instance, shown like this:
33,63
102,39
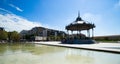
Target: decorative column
88,33
77,32
92,33
80,33
72,34
68,33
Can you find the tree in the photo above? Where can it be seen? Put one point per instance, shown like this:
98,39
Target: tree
14,36
3,35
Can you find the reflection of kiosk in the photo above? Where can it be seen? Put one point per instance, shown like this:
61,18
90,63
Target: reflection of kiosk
79,25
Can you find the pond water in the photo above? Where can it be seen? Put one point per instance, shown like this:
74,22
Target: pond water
42,54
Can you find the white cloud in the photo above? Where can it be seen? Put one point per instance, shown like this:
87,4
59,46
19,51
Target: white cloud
1,9
17,8
12,22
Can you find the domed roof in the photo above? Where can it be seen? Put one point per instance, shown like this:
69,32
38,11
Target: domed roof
80,24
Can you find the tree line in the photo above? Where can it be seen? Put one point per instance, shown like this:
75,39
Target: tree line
12,36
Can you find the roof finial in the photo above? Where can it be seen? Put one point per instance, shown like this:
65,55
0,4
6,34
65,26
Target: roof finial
78,13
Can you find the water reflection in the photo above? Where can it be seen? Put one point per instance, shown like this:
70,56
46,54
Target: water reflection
75,56
2,48
41,54
31,48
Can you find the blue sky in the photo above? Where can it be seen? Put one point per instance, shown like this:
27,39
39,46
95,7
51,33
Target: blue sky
57,14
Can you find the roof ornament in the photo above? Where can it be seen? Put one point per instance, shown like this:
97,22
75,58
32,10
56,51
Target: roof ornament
78,18
78,13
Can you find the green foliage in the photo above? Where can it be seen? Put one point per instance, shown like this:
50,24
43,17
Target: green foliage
14,36
3,35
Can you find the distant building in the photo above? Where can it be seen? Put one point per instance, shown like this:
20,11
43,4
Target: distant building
41,33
